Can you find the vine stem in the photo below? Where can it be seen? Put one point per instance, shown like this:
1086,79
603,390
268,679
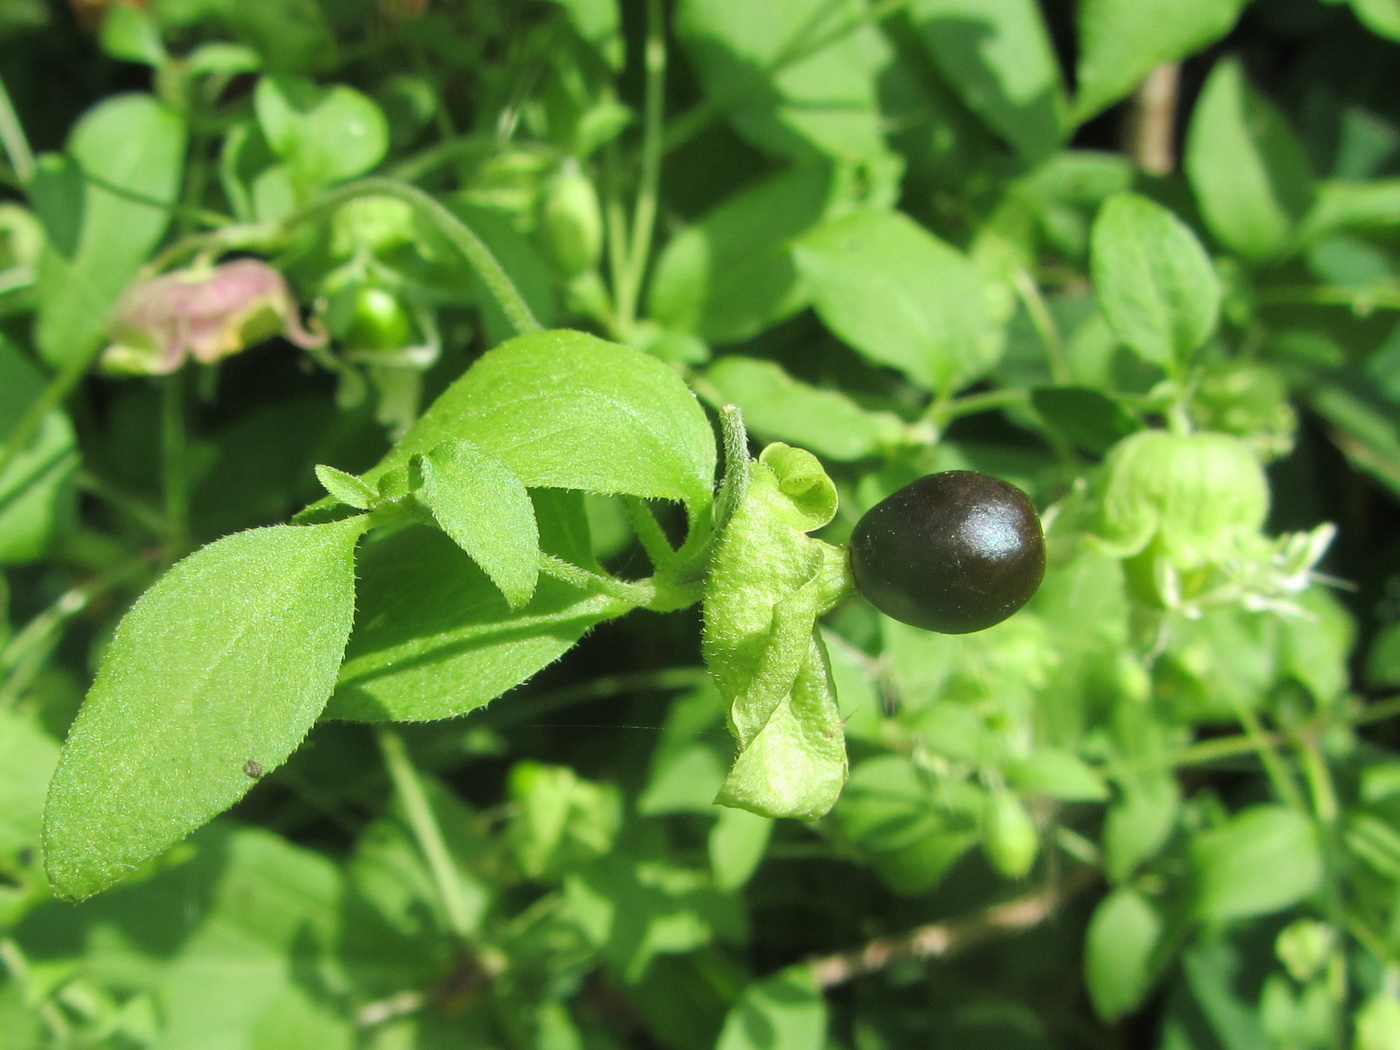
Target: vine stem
941,939
632,272
462,237
424,826
1152,120
13,140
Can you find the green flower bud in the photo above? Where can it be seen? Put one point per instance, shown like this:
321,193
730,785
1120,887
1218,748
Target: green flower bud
1194,497
571,222
1009,836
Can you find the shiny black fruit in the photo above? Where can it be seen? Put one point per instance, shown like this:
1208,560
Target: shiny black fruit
953,552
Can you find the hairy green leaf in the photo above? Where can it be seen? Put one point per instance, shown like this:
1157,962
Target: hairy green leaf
486,511
568,410
212,679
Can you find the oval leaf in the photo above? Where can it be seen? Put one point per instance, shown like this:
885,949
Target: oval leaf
568,410
899,296
1123,935
1121,41
1155,283
1263,859
219,668
1248,171
486,511
783,1012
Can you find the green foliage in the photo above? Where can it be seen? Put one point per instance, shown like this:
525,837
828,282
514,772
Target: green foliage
534,732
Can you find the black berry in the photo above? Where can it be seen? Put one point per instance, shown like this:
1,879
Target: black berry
954,552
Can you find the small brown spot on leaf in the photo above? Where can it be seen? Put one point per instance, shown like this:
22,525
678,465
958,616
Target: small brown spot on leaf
253,769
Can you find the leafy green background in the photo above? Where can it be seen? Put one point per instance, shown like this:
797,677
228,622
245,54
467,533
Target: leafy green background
433,761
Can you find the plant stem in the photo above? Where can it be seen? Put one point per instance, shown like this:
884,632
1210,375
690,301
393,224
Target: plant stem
649,533
628,288
971,404
941,939
639,594
13,140
1045,327
1275,768
1152,120
424,826
462,237
174,476
529,707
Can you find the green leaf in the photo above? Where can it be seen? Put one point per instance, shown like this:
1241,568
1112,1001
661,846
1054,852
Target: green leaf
1138,823
486,511
899,296
347,488
824,101
1262,860
561,820
1090,419
28,756
325,135
997,55
37,492
730,275
737,843
1154,281
226,661
1364,427
912,830
1381,17
633,908
779,406
435,638
1057,774
104,207
1121,41
568,410
1247,169
1122,938
783,1012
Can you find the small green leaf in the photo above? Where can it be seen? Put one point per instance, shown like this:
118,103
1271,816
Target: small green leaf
1089,418
1248,171
347,488
818,100
1058,774
104,207
783,1012
1121,41
1123,936
730,275
1262,860
899,296
997,55
737,843
325,135
228,659
1138,823
912,830
825,421
561,820
37,492
1010,838
486,511
1155,283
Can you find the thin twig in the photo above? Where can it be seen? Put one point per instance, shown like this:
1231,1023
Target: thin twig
941,939
1152,120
